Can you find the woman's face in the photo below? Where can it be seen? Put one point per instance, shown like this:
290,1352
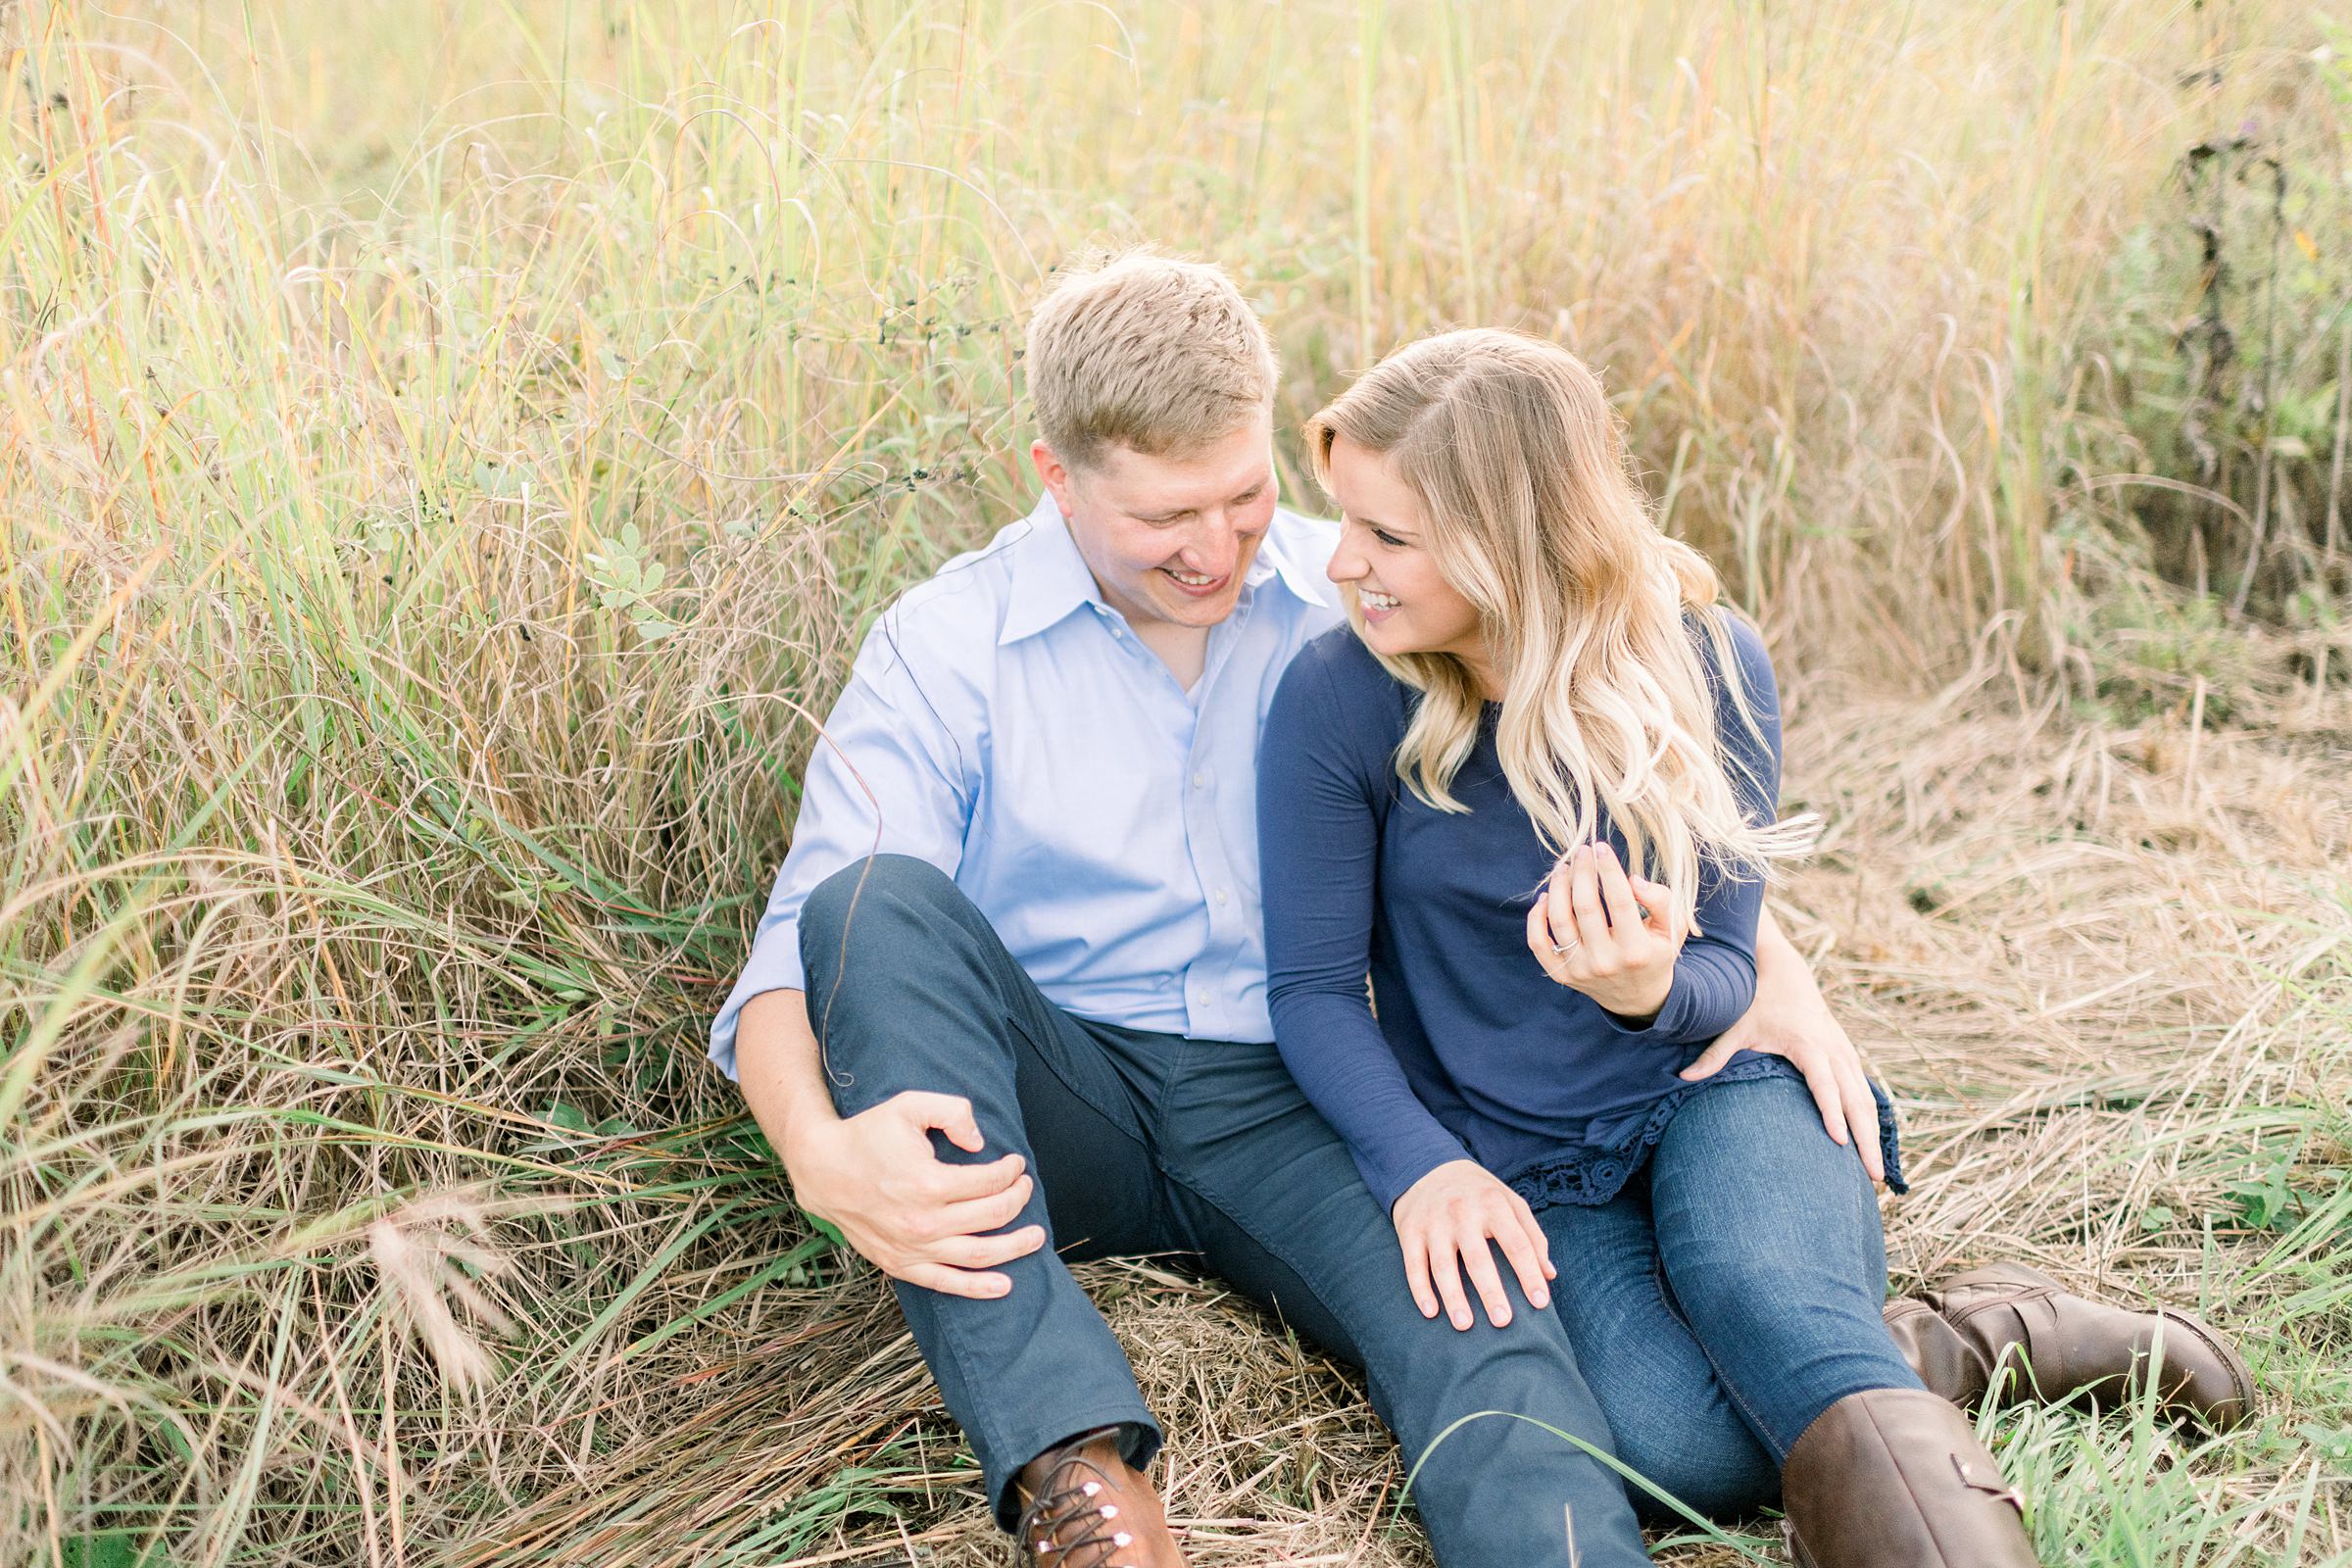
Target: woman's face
1408,605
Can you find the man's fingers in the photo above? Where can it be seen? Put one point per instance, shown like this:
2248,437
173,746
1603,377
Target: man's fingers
952,1114
1445,1270
1488,1281
987,1251
1710,1063
1526,1260
978,1215
956,1183
1826,1098
957,1281
1862,1115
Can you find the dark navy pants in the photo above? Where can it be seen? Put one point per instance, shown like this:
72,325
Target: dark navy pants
1149,1143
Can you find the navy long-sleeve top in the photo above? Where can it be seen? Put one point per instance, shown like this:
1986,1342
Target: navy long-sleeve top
1474,1049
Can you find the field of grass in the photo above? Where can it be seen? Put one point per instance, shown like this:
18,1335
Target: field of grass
447,452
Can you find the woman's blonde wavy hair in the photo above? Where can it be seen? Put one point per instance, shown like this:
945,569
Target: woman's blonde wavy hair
1533,515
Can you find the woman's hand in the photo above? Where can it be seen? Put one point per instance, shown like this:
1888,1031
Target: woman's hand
1606,934
1445,1221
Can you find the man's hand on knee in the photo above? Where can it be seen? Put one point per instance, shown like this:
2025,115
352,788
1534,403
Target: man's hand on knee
1790,1018
915,1216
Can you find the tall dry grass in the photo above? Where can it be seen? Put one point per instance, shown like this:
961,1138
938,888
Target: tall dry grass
446,452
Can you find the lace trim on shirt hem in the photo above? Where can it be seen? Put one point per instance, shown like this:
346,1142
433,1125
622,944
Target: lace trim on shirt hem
1589,1175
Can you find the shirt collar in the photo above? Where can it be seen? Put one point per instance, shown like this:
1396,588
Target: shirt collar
1278,557
1050,579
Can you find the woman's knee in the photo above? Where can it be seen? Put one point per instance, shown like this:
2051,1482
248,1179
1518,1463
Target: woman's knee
1704,1459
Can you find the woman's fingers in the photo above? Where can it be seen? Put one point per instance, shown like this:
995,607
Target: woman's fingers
1540,940
1444,1268
1416,1275
1541,1242
1485,1278
1525,1254
1617,896
1583,898
1557,908
1665,914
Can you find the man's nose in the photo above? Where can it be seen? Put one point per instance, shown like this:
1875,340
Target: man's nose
1214,549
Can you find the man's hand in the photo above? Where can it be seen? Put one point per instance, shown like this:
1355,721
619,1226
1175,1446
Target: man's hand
1789,1018
915,1216
1445,1221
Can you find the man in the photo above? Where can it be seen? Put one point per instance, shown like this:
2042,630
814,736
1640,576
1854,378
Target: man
1006,1005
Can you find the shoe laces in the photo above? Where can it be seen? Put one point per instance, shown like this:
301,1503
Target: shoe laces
1068,1499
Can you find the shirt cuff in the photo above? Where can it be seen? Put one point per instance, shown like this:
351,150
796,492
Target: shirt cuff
774,965
1398,1171
1669,1022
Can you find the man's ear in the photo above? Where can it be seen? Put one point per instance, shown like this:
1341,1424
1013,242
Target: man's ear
1055,472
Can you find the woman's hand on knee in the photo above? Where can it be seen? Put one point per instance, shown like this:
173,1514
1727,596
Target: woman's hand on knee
916,1217
1445,1222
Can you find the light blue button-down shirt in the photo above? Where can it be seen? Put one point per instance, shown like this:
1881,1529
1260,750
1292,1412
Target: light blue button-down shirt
1006,725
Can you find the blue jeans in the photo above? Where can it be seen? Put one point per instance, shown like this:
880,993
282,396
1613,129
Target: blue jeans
1728,1295
1152,1142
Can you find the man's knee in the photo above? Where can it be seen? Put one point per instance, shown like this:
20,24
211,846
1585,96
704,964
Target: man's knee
882,888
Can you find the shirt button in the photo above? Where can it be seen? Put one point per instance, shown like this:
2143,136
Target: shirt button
1220,895
1199,779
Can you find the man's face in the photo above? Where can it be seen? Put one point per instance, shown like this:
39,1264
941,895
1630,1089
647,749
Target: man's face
1169,539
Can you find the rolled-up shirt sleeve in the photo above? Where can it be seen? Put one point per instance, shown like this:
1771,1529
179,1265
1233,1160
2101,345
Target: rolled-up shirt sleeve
888,774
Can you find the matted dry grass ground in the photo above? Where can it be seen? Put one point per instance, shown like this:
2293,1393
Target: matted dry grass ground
2106,970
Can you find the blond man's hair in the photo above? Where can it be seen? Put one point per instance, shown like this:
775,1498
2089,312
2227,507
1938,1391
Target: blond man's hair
1148,352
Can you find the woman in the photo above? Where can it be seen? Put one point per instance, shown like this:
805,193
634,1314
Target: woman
1533,791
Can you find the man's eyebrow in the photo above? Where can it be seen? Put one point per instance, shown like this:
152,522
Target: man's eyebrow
1178,512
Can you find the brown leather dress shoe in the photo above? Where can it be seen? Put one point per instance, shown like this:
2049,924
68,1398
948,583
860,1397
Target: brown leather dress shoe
1894,1478
2010,1323
1083,1507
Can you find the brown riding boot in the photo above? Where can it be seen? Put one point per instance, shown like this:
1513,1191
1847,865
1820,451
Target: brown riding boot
1083,1507
2058,1344
1894,1478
